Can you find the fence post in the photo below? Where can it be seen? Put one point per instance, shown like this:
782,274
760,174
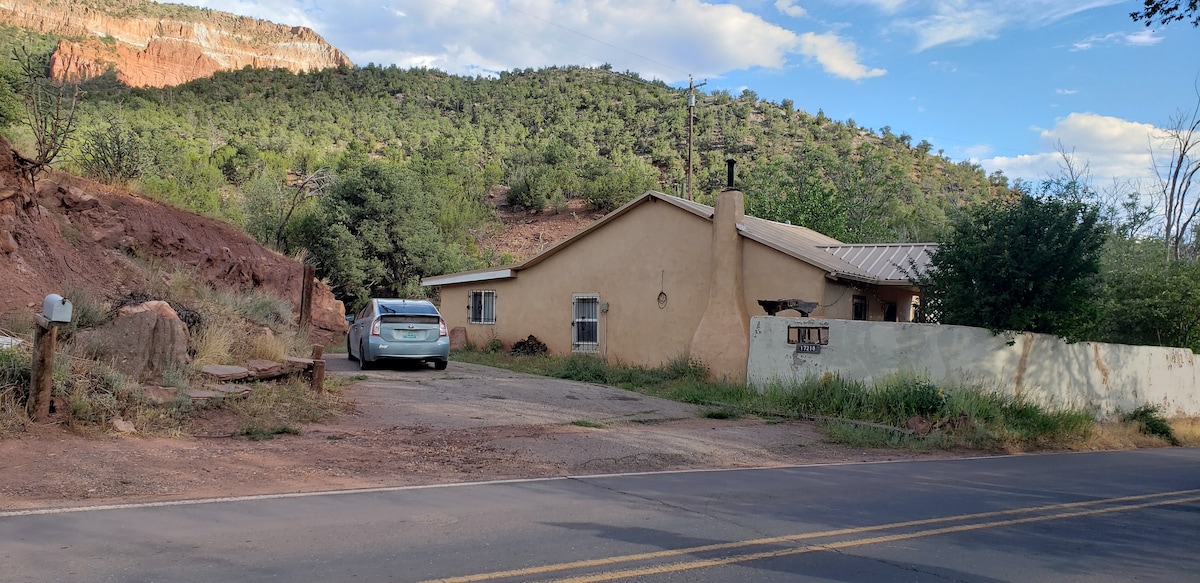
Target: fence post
306,293
318,371
41,377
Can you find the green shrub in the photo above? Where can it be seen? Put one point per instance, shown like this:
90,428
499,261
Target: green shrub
1150,421
494,345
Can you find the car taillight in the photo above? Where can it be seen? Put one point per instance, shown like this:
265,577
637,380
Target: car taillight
375,328
441,327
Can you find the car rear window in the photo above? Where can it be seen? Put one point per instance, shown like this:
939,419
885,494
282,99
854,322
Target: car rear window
405,308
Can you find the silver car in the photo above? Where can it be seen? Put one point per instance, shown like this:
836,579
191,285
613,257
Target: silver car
395,329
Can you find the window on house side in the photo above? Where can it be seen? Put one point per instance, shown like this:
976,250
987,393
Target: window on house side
860,307
483,307
585,323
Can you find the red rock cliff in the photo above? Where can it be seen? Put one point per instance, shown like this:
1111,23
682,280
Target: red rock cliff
150,44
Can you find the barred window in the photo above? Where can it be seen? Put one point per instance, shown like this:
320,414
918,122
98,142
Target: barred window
482,307
585,324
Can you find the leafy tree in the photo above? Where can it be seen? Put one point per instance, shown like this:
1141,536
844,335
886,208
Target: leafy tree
607,187
237,160
1147,298
10,105
185,179
1028,263
376,234
1167,11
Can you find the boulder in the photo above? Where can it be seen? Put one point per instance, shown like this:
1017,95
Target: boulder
264,369
202,395
159,395
225,372
295,364
122,426
142,344
75,198
159,307
229,390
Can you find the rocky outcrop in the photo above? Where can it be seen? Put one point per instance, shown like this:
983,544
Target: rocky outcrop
143,342
150,44
73,233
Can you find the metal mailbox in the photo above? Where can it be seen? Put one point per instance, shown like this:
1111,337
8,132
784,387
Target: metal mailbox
57,309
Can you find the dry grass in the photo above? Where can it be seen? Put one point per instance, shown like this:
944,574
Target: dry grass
13,418
1187,430
1114,435
267,347
284,403
214,344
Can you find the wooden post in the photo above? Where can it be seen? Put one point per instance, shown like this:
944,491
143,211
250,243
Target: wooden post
318,376
306,293
318,352
42,374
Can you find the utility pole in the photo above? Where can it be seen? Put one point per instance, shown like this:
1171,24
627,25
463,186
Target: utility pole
691,110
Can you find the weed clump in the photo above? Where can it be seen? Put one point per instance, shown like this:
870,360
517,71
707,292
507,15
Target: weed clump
1150,421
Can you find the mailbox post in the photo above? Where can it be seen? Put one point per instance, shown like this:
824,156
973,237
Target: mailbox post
55,310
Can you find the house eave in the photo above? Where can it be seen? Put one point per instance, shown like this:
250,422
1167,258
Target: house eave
469,277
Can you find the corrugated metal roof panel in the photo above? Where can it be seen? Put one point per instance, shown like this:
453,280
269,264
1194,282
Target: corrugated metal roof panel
887,262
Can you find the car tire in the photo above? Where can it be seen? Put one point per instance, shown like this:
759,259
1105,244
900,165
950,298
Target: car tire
363,363
350,353
440,364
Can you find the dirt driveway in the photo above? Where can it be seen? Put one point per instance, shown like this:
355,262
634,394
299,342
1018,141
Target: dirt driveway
409,426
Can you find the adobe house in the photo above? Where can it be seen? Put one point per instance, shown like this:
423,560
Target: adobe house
663,277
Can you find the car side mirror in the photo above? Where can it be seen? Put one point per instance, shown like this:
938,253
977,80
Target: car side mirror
350,318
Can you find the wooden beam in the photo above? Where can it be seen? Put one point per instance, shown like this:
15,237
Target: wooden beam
41,377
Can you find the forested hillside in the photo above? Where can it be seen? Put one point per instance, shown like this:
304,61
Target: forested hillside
381,174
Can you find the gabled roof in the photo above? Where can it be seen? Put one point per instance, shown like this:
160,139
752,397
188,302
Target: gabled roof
801,243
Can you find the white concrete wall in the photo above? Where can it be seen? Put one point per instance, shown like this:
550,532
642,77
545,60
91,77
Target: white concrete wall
1105,378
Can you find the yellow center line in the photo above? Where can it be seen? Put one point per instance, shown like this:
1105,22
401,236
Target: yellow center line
608,561
700,564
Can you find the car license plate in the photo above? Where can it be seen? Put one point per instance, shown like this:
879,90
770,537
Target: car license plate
409,336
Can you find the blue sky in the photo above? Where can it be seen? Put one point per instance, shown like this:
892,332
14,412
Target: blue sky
997,82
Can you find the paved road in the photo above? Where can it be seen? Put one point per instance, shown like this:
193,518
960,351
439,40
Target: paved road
1114,516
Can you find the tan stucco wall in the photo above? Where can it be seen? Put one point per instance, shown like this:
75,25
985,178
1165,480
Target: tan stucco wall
1104,378
773,275
627,261
654,247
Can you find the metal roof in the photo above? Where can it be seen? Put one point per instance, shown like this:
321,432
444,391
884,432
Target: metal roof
887,262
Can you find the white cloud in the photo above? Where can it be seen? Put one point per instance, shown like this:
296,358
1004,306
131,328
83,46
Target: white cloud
790,8
952,24
942,22
660,39
838,56
978,151
1143,38
1112,147
1066,91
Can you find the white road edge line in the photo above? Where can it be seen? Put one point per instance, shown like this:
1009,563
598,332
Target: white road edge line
196,501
